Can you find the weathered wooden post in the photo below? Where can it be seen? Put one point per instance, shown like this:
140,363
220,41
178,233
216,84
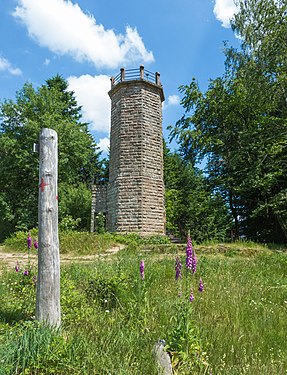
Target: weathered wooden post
48,308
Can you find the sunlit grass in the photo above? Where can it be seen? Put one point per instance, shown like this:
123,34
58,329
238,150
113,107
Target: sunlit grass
112,319
243,313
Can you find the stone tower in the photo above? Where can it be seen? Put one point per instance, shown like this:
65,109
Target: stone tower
135,192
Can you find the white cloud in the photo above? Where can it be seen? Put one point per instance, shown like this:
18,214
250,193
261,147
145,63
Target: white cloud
104,144
92,94
224,10
173,100
65,29
47,62
5,65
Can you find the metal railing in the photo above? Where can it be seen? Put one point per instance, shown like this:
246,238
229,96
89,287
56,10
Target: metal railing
135,75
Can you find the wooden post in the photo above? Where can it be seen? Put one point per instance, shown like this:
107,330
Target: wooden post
122,74
157,79
141,72
48,308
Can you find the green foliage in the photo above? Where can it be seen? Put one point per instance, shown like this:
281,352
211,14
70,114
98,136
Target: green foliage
75,202
22,293
52,106
68,224
184,345
239,124
6,217
191,204
183,337
106,290
100,223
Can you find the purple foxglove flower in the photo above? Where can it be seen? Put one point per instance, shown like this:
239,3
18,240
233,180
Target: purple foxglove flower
29,241
26,273
191,296
142,269
178,267
36,244
200,287
189,254
194,262
17,268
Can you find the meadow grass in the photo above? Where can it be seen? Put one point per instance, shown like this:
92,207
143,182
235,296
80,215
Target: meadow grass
112,318
242,315
83,243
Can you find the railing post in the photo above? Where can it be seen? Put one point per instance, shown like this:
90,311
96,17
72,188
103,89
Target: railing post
157,78
122,74
112,82
141,72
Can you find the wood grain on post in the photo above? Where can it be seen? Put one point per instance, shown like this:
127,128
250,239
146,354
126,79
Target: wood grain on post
48,308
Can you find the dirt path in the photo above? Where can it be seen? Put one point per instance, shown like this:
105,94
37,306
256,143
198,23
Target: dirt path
11,259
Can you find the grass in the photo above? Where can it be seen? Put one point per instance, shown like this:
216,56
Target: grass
245,304
78,243
83,243
112,318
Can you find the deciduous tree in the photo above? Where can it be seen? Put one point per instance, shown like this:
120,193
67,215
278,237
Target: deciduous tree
53,106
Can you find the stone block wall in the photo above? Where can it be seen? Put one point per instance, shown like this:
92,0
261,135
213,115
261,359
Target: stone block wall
135,195
99,202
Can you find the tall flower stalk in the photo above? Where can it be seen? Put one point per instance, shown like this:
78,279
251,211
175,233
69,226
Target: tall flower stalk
184,342
189,254
191,266
29,241
142,266
191,296
36,244
200,287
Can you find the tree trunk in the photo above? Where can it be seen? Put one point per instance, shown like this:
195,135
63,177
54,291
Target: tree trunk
48,308
235,216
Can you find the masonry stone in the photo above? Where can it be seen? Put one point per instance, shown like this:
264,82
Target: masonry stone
135,192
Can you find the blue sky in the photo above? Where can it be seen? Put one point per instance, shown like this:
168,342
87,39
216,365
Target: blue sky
88,41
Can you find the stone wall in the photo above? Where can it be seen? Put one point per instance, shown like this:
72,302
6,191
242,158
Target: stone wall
135,195
99,202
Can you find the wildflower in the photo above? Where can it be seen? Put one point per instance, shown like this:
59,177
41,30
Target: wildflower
17,268
29,241
142,269
26,273
189,254
194,262
200,287
36,244
191,296
178,267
